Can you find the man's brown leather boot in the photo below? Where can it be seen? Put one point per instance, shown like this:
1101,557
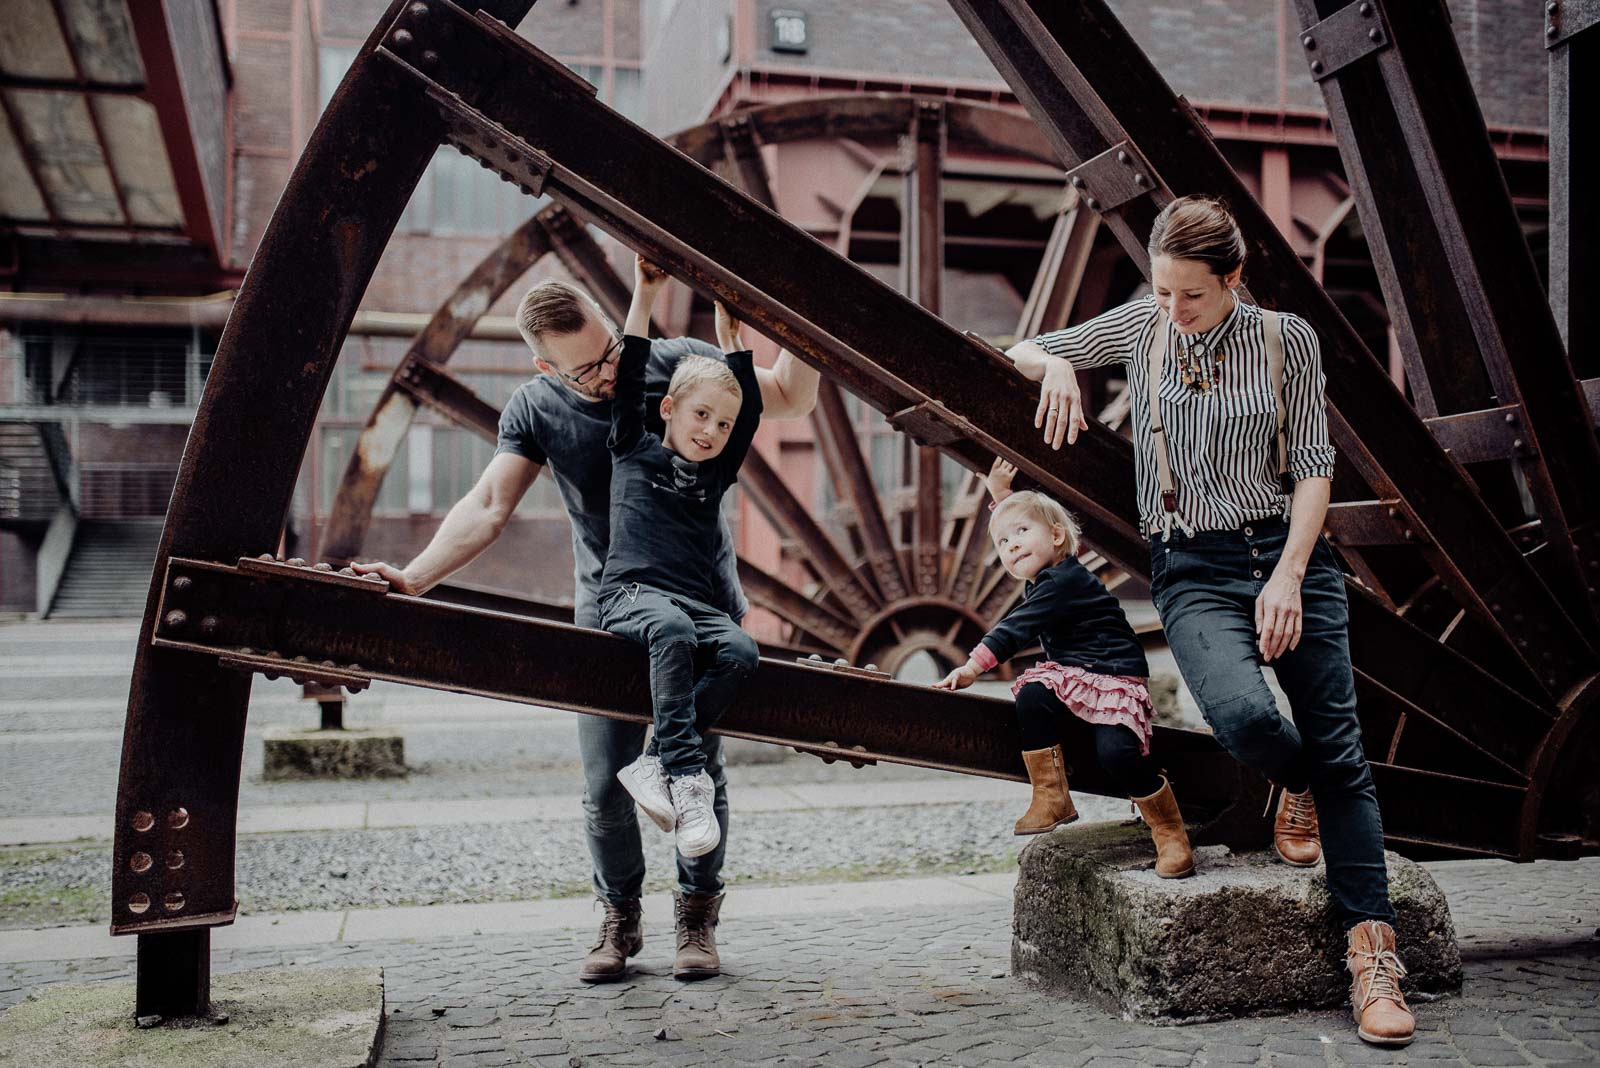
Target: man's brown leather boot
1295,836
1052,805
1382,1017
1174,858
621,937
697,935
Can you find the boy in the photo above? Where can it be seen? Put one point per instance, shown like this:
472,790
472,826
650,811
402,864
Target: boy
666,498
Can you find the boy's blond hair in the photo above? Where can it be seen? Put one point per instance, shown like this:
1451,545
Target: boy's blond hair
696,371
1046,510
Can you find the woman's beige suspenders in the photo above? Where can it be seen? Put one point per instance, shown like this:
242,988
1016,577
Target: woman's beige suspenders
1272,327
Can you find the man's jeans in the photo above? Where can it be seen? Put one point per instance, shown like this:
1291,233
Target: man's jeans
1205,587
682,634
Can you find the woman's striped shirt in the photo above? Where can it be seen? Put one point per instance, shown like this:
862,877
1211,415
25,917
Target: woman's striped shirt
1222,444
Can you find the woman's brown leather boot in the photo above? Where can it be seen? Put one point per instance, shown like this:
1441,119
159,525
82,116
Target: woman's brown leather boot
1052,805
1174,858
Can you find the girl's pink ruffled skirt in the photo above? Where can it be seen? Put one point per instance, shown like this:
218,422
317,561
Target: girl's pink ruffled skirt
1123,699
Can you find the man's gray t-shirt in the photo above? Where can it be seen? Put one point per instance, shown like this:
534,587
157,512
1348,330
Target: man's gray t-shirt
553,426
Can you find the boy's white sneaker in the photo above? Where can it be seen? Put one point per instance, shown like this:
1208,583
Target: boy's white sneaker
698,833
646,781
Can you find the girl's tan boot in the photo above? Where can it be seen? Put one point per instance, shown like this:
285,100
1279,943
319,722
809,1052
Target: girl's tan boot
1052,805
1174,858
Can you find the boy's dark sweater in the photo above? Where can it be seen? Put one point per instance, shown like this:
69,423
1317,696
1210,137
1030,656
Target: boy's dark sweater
664,508
1071,613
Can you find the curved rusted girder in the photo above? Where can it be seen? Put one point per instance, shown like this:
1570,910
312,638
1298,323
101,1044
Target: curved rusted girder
836,436
865,117
1135,145
178,787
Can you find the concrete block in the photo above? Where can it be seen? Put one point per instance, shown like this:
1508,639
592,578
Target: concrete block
1245,936
276,1018
356,753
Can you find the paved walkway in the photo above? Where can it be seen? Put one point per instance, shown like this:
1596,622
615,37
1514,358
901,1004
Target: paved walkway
907,972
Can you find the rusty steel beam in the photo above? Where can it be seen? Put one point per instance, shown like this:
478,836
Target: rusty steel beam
922,264
720,241
1136,145
793,520
356,632
1393,79
430,384
178,787
744,156
1066,258
1574,46
353,632
834,432
392,416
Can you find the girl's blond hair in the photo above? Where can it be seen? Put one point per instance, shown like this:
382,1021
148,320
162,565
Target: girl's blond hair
1046,510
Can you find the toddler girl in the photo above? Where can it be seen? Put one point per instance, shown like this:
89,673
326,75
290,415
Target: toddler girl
1094,669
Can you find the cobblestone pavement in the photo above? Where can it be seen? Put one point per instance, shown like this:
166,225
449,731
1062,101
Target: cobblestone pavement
931,986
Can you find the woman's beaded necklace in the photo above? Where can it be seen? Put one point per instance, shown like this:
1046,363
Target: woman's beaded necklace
1193,370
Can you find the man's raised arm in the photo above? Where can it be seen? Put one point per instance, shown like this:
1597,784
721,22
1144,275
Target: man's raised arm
470,527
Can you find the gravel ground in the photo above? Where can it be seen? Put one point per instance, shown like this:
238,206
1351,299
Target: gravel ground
519,861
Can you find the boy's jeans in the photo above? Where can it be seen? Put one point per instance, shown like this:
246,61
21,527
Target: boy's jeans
681,634
1205,588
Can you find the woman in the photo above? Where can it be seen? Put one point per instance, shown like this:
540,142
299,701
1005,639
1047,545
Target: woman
1239,571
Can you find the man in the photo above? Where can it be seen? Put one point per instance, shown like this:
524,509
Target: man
561,420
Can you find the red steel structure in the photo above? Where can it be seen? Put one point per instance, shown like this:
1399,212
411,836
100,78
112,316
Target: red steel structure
1473,620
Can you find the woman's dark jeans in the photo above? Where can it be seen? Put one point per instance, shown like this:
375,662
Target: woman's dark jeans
1205,587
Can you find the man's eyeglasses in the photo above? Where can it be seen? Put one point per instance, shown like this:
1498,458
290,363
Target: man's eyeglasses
588,372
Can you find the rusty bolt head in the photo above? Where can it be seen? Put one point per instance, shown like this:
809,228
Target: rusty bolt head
815,656
872,667
1140,180
1316,66
1511,417
1552,7
347,571
1375,35
1077,181
329,663
297,561
1551,31
266,556
417,10
1094,205
245,650
302,660
372,578
1309,42
209,625
1365,9
428,60
271,676
182,584
1122,157
1516,443
176,618
1394,513
841,662
323,565
402,40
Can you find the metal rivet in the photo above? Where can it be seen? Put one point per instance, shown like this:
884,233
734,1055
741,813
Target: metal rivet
1511,417
1077,181
143,821
1094,205
140,862
265,556
176,618
209,625
1516,443
418,11
347,571
174,901
1309,41
175,859
1394,513
323,565
1122,157
297,561
840,662
1365,9
1316,66
1552,7
1140,180
139,903
1550,31
872,667
1375,35
178,819
428,60
401,39
815,656
182,584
